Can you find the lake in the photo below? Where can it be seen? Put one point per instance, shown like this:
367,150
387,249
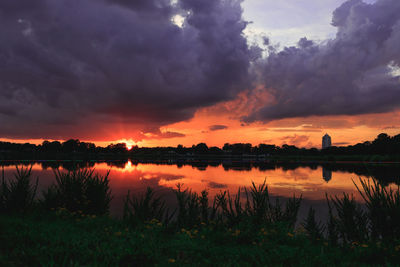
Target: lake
311,180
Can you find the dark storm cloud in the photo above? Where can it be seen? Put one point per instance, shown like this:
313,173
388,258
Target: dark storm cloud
350,74
77,65
217,127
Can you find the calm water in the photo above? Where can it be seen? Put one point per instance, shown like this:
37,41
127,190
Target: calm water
311,181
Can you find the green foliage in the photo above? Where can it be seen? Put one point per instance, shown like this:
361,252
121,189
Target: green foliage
3,192
190,209
351,222
226,210
332,233
231,207
138,210
102,241
79,190
313,228
17,196
383,209
378,220
247,223
257,208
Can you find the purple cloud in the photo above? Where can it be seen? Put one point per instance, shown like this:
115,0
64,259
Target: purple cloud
72,67
354,73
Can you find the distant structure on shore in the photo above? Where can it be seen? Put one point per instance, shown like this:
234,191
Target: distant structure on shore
326,174
326,141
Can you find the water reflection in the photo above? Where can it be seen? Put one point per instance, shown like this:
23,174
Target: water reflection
326,174
310,180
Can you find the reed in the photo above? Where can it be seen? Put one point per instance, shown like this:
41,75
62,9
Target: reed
349,222
383,209
141,209
79,190
17,195
89,193
313,228
192,208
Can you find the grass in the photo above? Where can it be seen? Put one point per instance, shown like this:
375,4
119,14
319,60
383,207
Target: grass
70,225
62,239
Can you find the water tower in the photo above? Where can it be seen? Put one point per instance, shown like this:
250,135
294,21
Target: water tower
326,141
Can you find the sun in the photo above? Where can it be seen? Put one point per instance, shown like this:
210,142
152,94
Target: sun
129,143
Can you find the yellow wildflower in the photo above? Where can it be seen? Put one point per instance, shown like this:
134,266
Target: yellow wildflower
171,260
118,233
290,234
236,233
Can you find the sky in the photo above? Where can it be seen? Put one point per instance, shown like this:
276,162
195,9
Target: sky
163,73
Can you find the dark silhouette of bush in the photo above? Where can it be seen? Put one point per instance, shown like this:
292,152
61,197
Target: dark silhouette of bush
140,209
314,229
255,209
17,195
79,190
383,210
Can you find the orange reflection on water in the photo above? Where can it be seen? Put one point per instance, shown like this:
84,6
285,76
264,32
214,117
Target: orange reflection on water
311,183
303,180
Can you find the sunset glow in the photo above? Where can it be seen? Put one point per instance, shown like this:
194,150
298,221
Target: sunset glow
200,132
277,80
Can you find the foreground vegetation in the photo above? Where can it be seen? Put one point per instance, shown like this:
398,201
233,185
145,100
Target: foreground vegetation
70,225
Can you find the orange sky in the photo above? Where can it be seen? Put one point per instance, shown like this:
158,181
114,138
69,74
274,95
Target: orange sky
126,83
302,132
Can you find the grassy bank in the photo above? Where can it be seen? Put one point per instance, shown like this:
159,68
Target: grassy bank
72,240
70,226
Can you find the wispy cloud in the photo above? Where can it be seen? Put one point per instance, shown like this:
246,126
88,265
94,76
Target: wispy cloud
217,127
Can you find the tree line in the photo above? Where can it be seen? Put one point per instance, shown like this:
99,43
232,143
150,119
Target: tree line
383,144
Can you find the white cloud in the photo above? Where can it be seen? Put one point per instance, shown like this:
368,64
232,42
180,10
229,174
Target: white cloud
286,21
